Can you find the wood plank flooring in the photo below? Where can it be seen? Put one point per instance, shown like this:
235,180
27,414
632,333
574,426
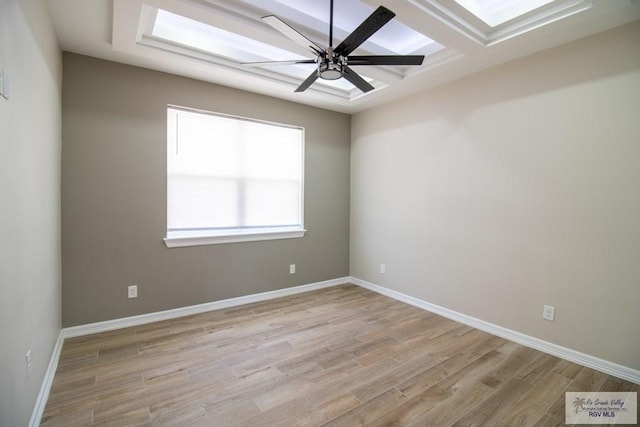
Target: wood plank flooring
340,356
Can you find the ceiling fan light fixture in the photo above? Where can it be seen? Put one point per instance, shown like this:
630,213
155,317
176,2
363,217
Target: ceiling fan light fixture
330,71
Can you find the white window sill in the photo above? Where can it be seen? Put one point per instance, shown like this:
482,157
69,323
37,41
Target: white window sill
179,239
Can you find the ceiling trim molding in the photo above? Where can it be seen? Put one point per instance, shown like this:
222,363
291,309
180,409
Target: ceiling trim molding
467,24
136,33
133,22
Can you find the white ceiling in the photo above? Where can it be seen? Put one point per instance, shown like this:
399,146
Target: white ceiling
460,39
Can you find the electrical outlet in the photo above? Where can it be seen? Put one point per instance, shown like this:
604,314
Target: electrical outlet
292,269
28,361
132,291
383,269
548,313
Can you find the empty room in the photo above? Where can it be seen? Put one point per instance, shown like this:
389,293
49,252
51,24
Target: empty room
319,212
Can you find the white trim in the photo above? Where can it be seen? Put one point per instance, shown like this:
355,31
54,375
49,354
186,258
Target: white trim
611,368
463,20
177,240
109,325
43,396
602,365
142,319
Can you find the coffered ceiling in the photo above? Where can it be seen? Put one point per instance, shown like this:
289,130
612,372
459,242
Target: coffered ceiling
211,39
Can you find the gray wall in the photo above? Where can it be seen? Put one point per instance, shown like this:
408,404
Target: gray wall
114,197
510,189
30,204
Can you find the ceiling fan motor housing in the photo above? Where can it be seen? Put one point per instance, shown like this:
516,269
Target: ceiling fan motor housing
329,66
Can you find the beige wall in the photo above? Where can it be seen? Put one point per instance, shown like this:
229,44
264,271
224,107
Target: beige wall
114,197
29,204
510,189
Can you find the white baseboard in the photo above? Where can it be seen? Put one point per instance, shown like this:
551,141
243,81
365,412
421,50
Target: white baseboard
611,368
92,328
43,396
602,365
142,319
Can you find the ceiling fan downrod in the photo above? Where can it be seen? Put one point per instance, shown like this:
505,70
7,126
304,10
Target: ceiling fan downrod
330,67
331,24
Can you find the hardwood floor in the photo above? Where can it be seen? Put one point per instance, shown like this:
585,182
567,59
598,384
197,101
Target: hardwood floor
339,356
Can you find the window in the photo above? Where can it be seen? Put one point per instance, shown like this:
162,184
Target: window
231,179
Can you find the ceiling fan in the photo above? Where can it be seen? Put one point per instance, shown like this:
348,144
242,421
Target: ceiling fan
334,63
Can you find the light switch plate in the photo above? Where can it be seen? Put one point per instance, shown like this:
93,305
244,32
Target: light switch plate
132,291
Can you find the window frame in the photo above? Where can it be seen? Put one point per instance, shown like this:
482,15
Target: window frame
212,236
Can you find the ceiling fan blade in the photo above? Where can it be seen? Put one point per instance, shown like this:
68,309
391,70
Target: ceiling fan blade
308,82
373,23
291,32
290,62
357,81
385,59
